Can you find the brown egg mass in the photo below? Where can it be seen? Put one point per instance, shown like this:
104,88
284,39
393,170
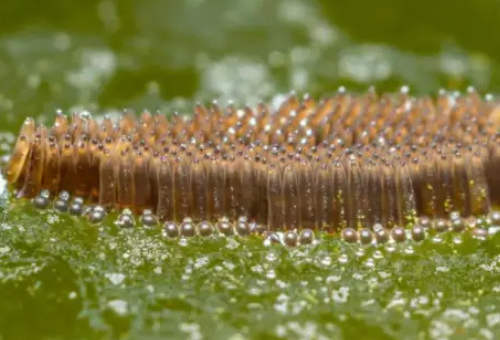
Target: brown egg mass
346,161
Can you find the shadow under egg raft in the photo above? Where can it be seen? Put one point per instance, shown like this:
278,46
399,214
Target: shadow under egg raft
370,167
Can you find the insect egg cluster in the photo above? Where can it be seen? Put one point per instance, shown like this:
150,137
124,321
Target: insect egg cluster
366,166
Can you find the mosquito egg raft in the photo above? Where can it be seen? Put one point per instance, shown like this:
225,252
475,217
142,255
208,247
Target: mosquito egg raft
368,168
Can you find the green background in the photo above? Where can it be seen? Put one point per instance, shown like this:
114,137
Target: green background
61,278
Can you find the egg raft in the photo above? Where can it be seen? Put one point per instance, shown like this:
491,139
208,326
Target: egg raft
366,166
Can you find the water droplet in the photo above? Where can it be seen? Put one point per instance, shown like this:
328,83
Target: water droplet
343,258
409,250
271,275
120,307
370,263
271,257
115,278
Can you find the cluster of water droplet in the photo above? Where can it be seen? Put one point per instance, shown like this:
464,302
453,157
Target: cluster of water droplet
480,227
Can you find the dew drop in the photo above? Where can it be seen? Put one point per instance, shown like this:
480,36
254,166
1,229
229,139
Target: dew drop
343,258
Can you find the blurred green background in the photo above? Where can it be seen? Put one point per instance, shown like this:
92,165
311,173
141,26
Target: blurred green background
61,278
102,55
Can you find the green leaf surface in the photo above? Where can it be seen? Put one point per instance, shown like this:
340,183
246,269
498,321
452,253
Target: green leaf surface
63,278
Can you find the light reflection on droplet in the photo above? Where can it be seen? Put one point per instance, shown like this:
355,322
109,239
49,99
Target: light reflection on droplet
271,275
271,257
370,263
3,185
343,258
437,239
390,248
326,261
360,252
409,250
